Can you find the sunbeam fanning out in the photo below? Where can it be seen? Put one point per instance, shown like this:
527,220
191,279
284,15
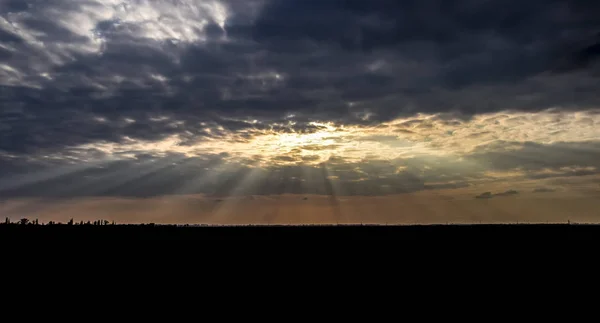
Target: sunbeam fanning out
298,111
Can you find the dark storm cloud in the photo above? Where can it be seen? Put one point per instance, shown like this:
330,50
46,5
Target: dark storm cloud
469,42
583,57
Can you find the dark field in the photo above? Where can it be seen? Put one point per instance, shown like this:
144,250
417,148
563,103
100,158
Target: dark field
538,233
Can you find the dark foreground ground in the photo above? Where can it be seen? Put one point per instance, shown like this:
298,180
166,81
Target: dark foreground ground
547,233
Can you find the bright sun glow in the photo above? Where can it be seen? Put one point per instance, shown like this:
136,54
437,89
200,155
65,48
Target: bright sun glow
322,137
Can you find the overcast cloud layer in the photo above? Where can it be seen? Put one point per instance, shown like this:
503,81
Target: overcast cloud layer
334,97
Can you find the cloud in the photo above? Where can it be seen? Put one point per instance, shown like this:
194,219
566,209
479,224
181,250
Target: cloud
486,195
392,97
582,58
544,190
495,137
507,193
489,195
541,161
438,153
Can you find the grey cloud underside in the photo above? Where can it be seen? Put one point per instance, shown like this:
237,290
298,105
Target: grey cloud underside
531,157
174,174
388,58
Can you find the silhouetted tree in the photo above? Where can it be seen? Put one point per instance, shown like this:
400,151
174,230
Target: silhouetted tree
88,223
113,223
37,222
24,221
70,222
7,220
105,222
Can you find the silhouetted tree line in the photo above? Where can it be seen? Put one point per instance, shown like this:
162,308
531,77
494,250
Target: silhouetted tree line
25,221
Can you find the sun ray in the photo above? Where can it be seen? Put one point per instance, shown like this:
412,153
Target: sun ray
20,181
233,194
334,204
111,180
195,182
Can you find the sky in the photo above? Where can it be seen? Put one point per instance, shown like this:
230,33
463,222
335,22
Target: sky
300,111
